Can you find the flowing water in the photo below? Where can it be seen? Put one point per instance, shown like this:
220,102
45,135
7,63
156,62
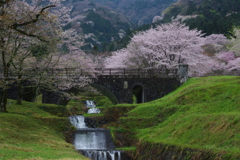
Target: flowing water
90,104
90,139
103,155
95,143
78,122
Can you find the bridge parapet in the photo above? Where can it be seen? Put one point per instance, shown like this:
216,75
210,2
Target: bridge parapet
74,74
61,72
136,72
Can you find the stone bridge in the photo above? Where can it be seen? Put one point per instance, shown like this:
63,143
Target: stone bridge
126,85
139,85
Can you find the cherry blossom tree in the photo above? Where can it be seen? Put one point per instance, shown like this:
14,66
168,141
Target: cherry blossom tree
231,58
215,43
170,45
233,67
231,62
118,59
226,57
30,25
68,64
21,21
235,41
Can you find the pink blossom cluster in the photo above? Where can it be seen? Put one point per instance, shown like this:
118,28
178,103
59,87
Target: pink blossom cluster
170,45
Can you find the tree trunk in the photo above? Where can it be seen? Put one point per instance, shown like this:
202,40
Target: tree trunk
19,90
3,102
4,95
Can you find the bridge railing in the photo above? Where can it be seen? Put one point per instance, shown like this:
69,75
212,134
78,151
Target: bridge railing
46,72
121,72
138,72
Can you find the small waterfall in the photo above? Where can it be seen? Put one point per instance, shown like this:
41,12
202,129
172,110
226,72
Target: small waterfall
78,122
103,155
95,143
92,106
94,110
115,155
90,139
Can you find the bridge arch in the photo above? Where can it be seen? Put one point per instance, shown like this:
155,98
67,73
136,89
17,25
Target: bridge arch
105,91
138,91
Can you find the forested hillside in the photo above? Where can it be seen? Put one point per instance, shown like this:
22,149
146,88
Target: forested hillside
106,21
138,11
109,24
98,23
210,16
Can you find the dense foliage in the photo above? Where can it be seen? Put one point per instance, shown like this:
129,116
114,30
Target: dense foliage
213,16
103,31
139,11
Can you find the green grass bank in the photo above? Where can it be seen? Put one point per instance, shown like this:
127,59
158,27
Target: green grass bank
199,120
34,131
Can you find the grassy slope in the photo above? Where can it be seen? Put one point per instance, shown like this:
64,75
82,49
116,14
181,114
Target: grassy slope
203,113
24,136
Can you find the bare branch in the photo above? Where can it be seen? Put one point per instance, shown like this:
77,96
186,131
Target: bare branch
16,26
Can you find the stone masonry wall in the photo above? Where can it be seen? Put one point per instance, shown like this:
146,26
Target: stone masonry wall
153,88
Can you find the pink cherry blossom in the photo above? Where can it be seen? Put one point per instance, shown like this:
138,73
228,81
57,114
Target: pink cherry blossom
170,45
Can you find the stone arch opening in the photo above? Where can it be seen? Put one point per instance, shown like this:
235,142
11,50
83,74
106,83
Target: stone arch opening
138,94
105,91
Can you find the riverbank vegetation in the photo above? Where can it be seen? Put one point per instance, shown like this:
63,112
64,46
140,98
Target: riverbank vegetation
202,115
29,132
201,119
